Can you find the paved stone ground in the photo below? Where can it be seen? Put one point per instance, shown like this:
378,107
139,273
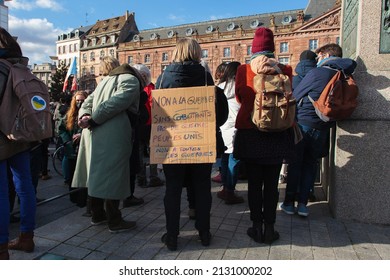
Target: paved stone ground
63,233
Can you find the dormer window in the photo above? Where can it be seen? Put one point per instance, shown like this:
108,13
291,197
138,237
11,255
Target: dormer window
153,36
287,20
170,33
209,29
94,42
189,31
231,26
85,43
112,38
136,38
103,40
254,23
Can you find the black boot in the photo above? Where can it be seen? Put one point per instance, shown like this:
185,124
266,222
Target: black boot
170,241
270,234
256,232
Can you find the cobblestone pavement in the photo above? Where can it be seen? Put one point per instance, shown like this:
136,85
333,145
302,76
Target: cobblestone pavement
63,233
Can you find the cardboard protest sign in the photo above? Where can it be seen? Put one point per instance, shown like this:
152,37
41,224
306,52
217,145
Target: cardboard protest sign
183,125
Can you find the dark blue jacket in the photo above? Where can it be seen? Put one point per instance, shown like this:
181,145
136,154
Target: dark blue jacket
313,84
192,74
303,67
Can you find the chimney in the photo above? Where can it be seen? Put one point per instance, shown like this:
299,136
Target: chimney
127,14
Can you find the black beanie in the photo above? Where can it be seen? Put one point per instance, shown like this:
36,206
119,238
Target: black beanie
307,55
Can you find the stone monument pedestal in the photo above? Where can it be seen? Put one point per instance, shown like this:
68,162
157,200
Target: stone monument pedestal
358,178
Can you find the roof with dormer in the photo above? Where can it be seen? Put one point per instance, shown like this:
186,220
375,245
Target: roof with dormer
112,30
314,9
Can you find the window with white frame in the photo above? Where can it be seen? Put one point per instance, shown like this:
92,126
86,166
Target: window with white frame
164,56
84,57
313,44
248,50
147,58
84,71
112,53
226,52
103,40
205,53
92,70
283,47
284,60
92,56
102,53
130,59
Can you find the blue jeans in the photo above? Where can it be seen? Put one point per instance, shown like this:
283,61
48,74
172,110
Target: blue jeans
20,167
302,172
229,171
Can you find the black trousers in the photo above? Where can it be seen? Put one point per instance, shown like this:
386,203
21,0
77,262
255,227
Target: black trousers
198,177
114,215
263,194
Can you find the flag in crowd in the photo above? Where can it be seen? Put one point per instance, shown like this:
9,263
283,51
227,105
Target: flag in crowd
71,71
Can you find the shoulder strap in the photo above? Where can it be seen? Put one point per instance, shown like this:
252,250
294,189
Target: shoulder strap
4,73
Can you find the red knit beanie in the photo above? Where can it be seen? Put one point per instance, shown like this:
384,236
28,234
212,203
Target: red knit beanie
263,40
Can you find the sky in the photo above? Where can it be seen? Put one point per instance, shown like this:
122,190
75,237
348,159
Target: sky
37,23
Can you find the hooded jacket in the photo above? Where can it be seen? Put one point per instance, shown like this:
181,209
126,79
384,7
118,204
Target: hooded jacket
313,84
303,67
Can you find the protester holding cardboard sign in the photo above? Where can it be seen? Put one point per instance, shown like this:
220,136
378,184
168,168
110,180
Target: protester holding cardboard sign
186,71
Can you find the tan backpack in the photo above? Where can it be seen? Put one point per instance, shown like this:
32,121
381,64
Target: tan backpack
274,105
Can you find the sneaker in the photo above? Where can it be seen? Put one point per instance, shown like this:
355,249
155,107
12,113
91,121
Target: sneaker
155,182
99,221
132,201
233,198
303,210
122,226
287,208
217,178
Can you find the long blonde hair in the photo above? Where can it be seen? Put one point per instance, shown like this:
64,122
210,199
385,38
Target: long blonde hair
187,49
107,64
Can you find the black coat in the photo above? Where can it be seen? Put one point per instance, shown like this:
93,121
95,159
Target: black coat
192,74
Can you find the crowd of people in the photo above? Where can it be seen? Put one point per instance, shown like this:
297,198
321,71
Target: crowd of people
106,137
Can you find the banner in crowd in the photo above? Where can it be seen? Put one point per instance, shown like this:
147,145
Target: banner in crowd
183,125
